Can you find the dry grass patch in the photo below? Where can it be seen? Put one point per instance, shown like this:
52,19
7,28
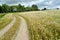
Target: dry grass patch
43,25
5,20
12,31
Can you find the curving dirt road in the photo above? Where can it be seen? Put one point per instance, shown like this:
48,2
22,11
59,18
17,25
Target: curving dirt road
4,30
22,33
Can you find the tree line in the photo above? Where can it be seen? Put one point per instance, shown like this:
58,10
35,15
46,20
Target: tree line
17,8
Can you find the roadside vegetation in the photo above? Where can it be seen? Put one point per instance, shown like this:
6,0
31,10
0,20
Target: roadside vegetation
43,25
10,34
5,19
2,15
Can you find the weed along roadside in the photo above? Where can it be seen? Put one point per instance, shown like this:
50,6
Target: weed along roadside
5,20
10,33
6,28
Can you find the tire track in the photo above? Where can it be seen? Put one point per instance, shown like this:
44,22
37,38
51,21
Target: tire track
22,33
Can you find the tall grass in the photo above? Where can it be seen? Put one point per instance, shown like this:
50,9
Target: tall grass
9,35
43,25
5,20
1,15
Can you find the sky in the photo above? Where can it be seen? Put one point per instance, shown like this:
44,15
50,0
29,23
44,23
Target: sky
40,3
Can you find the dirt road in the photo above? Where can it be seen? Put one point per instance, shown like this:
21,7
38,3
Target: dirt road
22,33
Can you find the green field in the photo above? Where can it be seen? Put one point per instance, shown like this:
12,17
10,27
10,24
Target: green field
42,25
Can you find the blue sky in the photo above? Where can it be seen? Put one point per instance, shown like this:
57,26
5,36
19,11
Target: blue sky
39,3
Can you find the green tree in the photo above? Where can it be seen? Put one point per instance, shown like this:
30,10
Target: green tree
34,7
0,9
57,8
44,9
5,8
28,8
20,8
11,8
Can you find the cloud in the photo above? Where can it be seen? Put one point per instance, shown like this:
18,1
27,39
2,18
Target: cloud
32,2
40,3
49,3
